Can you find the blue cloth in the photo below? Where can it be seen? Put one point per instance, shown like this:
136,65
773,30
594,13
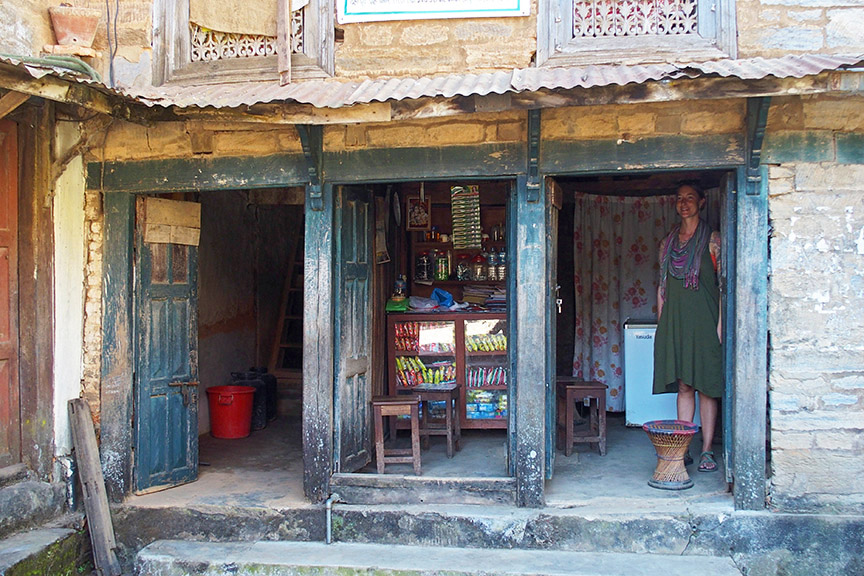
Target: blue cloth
443,297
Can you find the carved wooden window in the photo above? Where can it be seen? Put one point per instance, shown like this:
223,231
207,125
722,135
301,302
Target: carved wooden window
580,32
189,52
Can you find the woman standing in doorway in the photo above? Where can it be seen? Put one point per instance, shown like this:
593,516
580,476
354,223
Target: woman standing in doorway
687,349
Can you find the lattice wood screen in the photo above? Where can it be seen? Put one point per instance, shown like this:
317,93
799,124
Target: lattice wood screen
603,18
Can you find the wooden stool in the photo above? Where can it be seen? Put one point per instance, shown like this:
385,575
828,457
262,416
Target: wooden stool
570,391
448,426
391,407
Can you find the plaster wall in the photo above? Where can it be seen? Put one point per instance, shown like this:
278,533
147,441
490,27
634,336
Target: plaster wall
816,294
226,303
69,258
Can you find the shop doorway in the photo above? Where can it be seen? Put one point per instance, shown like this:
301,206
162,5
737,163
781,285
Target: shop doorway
609,229
439,318
221,308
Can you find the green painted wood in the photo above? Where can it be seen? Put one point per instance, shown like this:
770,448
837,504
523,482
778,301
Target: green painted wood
654,153
353,353
117,367
513,335
530,324
850,148
798,146
184,174
551,313
318,345
377,165
750,347
728,228
166,365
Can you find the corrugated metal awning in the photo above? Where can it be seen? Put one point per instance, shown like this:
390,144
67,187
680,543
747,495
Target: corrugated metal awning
338,94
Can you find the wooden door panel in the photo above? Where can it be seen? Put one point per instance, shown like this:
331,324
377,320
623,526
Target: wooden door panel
10,415
353,389
166,364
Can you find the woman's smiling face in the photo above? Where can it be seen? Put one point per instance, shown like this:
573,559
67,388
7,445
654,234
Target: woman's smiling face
687,202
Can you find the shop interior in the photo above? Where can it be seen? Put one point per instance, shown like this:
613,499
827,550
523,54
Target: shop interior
425,252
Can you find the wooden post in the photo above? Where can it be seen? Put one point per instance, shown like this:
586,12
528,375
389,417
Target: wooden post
528,329
318,348
117,362
93,488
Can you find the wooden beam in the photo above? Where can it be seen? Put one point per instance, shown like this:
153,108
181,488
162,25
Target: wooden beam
187,174
10,101
56,89
318,348
648,153
290,113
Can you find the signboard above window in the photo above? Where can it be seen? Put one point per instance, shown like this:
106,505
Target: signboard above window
379,10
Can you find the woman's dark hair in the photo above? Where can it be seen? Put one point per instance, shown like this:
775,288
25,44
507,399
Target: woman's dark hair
694,185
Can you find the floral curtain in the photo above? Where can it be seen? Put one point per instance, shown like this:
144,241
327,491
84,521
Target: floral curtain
615,244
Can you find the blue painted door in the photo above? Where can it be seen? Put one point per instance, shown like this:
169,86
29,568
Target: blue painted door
353,390
166,362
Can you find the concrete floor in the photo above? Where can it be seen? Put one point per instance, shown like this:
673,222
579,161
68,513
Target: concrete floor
266,470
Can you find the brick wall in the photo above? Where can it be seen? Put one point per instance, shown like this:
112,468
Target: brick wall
92,356
816,294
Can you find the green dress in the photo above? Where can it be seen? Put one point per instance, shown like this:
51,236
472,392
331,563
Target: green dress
686,346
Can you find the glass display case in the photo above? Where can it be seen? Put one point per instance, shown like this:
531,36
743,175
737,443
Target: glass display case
438,349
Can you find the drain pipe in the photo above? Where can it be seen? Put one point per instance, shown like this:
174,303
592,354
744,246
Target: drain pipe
329,506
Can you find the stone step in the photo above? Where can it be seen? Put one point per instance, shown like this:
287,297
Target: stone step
29,503
54,551
182,558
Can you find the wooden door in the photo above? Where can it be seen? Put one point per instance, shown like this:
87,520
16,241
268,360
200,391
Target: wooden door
553,206
10,415
352,426
728,226
166,363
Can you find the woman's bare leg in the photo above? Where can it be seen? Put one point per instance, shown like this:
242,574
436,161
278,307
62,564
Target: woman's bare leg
686,402
708,415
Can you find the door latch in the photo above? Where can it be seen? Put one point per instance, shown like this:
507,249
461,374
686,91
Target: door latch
186,390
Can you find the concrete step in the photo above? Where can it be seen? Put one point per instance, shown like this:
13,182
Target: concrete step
54,551
28,503
182,558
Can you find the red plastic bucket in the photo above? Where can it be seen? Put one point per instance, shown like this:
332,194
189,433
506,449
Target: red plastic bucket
230,411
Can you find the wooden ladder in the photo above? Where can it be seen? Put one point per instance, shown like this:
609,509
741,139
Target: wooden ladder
286,355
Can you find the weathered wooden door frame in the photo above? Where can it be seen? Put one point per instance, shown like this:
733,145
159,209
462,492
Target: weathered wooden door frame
747,372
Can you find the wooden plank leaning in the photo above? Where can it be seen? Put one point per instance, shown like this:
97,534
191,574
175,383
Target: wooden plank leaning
93,488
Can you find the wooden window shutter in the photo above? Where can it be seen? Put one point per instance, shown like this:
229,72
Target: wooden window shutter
283,40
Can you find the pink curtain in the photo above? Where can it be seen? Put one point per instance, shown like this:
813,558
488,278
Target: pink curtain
615,240
615,244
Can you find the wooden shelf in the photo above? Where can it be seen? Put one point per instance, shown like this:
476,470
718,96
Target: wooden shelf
495,387
415,353
486,352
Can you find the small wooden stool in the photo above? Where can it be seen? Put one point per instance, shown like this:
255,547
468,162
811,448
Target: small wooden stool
449,426
570,391
391,407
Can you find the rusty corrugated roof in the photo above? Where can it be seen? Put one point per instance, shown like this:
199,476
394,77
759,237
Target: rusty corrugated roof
334,93
338,94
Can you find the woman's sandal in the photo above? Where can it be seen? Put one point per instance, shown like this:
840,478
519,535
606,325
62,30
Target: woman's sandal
707,462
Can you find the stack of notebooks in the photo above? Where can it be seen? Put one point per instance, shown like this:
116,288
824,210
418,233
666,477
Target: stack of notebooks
491,297
497,301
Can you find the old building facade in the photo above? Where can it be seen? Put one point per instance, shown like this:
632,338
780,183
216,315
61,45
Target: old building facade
763,98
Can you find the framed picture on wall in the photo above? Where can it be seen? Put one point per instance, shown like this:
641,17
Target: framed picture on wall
418,213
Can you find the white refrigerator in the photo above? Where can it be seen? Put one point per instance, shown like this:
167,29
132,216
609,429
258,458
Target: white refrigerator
640,404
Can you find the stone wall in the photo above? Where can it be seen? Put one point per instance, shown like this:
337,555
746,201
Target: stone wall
816,294
773,28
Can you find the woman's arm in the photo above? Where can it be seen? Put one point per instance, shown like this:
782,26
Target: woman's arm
714,249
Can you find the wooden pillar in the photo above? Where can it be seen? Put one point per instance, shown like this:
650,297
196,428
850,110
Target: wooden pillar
749,407
36,289
318,343
117,345
529,326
